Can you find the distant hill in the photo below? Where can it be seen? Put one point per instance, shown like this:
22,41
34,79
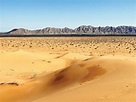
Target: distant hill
89,30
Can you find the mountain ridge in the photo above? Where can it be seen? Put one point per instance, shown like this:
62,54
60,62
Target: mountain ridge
107,30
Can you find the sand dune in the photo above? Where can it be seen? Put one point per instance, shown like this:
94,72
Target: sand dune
72,75
119,85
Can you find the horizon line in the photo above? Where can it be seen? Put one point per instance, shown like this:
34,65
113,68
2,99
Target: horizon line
68,27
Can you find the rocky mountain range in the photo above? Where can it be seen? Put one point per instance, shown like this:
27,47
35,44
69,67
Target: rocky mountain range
108,30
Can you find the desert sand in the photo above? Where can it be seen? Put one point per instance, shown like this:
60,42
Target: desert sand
68,69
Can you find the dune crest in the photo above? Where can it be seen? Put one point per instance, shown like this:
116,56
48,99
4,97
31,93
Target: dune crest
76,73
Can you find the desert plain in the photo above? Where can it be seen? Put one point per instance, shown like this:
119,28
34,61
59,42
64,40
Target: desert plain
68,69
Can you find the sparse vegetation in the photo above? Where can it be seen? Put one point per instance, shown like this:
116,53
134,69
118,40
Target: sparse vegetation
95,44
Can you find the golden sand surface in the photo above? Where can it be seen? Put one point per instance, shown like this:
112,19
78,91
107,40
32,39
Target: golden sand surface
68,69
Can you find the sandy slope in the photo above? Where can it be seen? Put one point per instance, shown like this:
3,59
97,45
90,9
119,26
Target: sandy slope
119,85
71,75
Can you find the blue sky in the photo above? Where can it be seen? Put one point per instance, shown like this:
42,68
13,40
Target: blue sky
36,14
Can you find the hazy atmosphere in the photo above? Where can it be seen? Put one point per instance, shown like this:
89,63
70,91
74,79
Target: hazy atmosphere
35,14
